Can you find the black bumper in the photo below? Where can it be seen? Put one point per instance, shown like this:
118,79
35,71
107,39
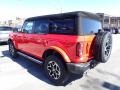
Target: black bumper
80,68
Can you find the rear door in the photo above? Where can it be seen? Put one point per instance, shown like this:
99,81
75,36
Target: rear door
39,38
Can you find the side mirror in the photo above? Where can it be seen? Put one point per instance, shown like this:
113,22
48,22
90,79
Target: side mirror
15,29
19,30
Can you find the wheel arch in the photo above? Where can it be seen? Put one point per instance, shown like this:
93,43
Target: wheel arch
58,51
9,40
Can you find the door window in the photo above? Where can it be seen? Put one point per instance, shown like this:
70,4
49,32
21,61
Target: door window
41,27
28,27
90,26
63,26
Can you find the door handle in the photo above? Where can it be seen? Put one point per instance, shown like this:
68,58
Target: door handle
45,42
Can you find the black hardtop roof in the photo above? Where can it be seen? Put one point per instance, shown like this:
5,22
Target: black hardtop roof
64,15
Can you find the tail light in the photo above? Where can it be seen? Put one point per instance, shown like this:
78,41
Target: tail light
79,49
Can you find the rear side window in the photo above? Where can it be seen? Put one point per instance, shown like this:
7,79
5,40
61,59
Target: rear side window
41,27
64,26
90,26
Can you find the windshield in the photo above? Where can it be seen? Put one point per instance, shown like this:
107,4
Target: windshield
90,26
5,28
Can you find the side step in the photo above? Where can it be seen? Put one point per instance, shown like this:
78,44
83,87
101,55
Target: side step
31,58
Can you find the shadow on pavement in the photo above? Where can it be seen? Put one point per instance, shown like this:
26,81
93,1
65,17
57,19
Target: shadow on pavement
108,73
36,69
32,67
111,86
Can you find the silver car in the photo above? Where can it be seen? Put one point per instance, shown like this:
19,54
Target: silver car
4,33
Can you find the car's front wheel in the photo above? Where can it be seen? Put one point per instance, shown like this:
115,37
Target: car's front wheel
55,70
12,50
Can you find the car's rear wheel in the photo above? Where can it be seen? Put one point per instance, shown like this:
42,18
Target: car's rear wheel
103,46
12,50
55,70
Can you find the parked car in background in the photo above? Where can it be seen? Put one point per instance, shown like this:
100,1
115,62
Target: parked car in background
4,33
111,30
117,30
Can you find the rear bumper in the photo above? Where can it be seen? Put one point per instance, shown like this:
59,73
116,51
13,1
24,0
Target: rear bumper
80,68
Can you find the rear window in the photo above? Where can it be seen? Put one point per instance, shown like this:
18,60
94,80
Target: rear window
64,26
5,28
90,26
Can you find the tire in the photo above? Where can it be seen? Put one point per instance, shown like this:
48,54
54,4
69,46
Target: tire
55,70
12,50
103,46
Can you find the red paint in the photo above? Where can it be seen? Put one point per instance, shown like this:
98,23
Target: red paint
66,45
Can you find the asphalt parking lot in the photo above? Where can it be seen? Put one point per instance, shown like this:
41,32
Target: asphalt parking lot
22,74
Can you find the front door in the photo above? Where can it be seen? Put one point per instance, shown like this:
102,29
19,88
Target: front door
27,37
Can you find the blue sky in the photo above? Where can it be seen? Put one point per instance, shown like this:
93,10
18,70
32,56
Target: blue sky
26,8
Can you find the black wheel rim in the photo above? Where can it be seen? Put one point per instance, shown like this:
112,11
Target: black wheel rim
11,49
53,70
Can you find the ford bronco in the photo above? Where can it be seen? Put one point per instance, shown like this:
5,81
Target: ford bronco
64,43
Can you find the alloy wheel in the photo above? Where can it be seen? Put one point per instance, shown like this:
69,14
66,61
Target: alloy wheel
53,70
11,49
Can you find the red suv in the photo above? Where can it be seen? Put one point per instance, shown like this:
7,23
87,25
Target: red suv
65,43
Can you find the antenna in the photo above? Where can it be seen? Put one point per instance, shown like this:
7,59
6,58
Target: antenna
60,4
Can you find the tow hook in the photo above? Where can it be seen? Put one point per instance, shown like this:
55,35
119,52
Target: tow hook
93,64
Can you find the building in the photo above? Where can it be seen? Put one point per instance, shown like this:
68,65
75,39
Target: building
109,21
17,22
